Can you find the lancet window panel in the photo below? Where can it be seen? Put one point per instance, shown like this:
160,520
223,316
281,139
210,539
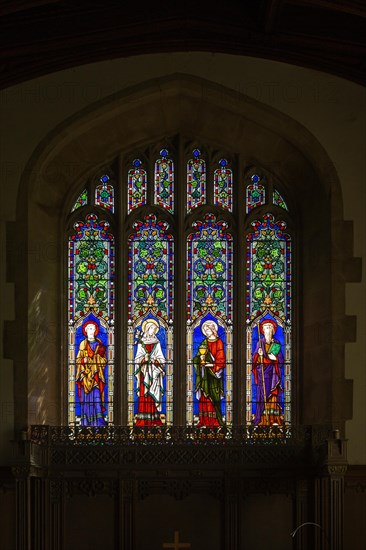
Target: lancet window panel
136,186
223,186
104,193
209,324
164,181
269,323
150,324
255,193
196,181
91,287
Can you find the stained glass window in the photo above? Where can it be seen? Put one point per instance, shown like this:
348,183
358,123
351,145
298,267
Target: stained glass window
256,195
268,316
164,182
150,324
196,181
223,181
137,186
209,324
91,323
104,194
82,200
278,200
156,305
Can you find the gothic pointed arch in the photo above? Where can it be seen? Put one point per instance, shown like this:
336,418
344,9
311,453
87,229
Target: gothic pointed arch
250,136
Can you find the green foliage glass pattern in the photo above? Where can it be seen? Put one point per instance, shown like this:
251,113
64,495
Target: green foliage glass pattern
196,181
81,201
209,269
91,269
255,193
104,193
223,181
136,186
150,273
278,200
269,269
164,182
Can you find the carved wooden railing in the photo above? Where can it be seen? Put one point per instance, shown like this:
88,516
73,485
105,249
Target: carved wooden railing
161,435
287,447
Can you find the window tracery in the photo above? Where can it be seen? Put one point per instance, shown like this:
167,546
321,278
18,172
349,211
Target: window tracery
159,258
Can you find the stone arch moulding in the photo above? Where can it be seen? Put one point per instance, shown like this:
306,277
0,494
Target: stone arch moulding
198,109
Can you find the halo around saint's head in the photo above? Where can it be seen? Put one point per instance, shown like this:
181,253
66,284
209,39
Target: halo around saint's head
90,323
209,323
149,321
268,322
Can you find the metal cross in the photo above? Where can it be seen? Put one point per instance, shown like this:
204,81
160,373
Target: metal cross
176,545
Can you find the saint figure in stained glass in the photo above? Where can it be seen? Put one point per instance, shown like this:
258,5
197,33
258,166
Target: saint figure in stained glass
91,323
149,374
209,364
267,371
269,313
150,329
209,324
91,361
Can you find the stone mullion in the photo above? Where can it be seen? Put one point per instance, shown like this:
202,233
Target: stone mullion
120,336
180,270
239,297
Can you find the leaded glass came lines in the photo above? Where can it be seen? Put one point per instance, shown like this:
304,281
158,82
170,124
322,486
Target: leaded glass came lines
209,269
209,324
200,238
278,200
269,269
104,194
150,269
196,181
268,315
223,181
91,323
150,329
82,200
137,186
255,194
164,182
91,269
